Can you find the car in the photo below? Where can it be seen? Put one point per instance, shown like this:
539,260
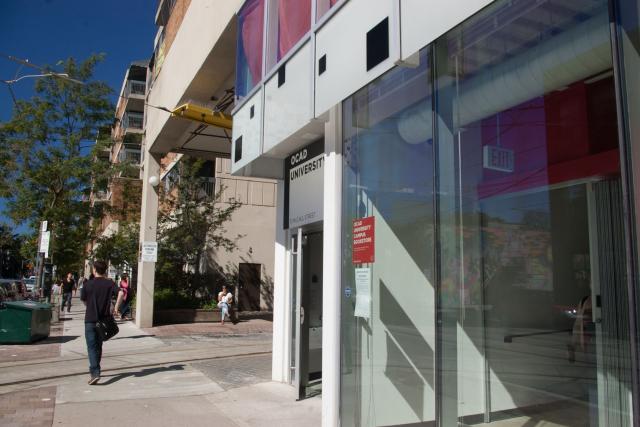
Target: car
30,283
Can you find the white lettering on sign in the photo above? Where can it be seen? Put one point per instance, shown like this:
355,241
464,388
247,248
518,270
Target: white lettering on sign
298,157
302,170
305,188
498,158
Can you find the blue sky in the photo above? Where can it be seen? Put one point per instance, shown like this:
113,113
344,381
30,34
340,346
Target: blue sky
45,31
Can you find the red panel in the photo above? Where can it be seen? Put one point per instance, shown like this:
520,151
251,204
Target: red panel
602,165
567,124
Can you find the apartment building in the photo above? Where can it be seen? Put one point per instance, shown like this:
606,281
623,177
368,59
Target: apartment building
457,198
189,99
119,198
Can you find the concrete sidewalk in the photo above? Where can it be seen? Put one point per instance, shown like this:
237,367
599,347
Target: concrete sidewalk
204,378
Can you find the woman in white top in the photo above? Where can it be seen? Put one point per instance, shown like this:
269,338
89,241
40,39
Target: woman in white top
225,299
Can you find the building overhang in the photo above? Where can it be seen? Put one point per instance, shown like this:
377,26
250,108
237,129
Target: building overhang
186,120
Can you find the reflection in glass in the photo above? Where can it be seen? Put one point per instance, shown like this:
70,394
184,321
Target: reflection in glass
294,21
249,46
533,257
388,343
323,6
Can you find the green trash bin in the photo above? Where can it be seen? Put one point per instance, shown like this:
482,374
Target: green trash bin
22,322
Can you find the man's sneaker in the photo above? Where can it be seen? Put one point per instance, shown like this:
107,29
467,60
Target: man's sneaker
94,380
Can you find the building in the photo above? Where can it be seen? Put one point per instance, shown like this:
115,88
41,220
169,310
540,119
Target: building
189,98
457,198
118,199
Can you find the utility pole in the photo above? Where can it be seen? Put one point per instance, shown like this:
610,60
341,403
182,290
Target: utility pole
43,249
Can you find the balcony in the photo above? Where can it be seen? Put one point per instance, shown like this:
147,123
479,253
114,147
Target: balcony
129,155
209,187
135,88
133,122
101,196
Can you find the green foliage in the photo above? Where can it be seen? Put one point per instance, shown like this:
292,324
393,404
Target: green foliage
189,230
120,248
48,158
10,257
169,298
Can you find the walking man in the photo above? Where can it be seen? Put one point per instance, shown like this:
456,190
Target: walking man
96,294
68,284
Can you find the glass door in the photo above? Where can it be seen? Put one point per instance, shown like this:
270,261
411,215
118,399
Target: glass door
308,314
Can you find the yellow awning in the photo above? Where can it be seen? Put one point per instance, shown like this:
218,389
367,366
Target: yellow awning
203,115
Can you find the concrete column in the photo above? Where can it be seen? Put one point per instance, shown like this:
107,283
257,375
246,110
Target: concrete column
331,265
148,226
280,360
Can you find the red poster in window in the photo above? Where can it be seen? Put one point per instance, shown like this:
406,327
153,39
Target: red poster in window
363,240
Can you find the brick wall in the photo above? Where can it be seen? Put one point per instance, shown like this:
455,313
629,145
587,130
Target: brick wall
173,25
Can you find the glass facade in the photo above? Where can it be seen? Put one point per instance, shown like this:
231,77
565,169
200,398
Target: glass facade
498,294
323,6
294,21
388,351
628,57
249,46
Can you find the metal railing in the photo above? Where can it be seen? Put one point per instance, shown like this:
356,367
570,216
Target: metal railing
209,187
133,120
129,155
136,87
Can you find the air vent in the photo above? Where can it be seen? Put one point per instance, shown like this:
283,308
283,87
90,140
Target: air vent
322,65
281,75
378,44
237,155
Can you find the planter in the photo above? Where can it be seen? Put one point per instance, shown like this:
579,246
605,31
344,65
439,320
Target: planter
192,315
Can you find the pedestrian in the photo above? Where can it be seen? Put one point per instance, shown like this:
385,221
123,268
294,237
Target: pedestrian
96,295
123,307
68,285
225,300
55,291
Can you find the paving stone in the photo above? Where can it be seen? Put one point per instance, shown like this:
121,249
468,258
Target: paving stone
26,408
238,371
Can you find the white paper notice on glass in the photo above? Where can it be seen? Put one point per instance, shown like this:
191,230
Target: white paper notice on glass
363,293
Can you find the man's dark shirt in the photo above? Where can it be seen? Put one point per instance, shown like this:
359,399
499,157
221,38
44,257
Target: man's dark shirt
67,286
97,294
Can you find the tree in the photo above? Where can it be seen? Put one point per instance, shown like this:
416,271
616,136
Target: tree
11,262
190,227
48,158
121,248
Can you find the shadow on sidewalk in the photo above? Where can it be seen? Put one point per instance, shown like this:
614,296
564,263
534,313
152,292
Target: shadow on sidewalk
143,373
60,339
132,337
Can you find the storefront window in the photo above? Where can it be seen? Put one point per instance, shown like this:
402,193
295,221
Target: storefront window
249,47
388,310
628,38
493,290
532,269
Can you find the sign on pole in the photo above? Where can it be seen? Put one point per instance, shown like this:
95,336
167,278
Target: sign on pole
45,238
149,252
